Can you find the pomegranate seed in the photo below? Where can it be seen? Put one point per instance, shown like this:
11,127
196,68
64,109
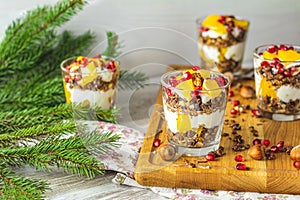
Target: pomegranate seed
77,78
280,144
173,81
272,49
210,157
274,149
256,141
221,81
279,66
276,59
293,69
97,56
256,112
68,68
111,65
187,75
198,88
194,94
233,111
291,48
231,94
266,142
222,19
169,92
283,47
273,64
280,70
296,164
236,102
156,142
67,78
241,166
239,158
204,29
287,73
264,63
195,68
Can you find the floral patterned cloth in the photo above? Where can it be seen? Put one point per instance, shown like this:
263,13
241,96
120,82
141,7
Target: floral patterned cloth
124,159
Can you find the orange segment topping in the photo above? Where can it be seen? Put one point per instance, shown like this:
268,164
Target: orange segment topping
283,55
213,86
187,86
213,22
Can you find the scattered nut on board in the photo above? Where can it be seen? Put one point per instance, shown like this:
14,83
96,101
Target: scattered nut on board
247,91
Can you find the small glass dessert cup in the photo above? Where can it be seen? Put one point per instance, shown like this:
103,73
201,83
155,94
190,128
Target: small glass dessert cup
194,103
277,81
221,42
91,82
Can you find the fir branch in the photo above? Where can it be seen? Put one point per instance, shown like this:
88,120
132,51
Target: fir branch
35,32
131,80
82,112
113,46
13,186
26,118
38,130
13,122
69,154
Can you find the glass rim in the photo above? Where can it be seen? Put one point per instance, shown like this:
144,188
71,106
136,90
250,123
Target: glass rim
167,85
257,56
62,64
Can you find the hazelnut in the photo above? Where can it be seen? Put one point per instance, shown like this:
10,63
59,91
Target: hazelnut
256,152
295,153
167,152
247,91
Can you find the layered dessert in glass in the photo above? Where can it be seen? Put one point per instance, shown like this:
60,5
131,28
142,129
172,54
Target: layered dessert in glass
277,80
194,103
92,81
221,42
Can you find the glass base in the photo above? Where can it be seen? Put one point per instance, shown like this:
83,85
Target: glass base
203,151
280,117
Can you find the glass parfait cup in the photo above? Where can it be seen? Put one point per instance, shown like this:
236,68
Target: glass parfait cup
221,42
277,81
194,105
91,82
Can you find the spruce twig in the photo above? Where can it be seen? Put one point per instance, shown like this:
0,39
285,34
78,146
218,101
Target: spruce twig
69,154
113,46
37,127
28,37
13,186
132,80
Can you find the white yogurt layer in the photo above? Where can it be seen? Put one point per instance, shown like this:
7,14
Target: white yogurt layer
287,93
96,98
284,93
106,75
208,120
234,52
213,34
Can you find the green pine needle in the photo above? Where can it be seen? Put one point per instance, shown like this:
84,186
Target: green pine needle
37,127
131,80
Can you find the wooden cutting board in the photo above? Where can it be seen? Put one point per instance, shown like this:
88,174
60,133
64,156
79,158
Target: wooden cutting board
269,176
